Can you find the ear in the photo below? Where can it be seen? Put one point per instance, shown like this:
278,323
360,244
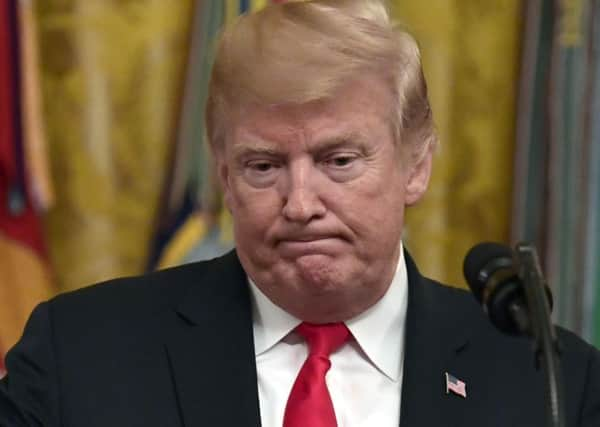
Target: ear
222,173
419,179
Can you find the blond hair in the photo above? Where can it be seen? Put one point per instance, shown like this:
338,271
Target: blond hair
303,51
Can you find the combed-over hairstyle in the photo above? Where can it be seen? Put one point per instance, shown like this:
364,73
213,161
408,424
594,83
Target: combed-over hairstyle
303,51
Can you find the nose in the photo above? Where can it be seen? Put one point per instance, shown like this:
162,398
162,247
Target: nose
301,198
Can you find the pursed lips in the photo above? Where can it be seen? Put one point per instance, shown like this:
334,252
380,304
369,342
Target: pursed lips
309,244
308,238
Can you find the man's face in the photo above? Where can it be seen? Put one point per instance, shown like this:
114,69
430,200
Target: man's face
317,193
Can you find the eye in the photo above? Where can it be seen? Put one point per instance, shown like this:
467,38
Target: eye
261,173
343,166
261,166
340,161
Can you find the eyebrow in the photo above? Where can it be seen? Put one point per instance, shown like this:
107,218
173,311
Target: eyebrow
338,141
260,146
355,139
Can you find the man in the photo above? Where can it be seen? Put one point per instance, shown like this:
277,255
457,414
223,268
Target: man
322,133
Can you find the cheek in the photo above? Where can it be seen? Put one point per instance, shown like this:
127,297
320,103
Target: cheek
373,212
376,218
253,211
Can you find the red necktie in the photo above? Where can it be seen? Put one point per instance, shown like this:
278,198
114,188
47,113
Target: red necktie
309,403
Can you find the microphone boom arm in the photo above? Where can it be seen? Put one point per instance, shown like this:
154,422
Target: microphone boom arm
541,328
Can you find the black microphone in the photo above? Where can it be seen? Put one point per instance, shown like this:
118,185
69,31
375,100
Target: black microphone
513,292
492,273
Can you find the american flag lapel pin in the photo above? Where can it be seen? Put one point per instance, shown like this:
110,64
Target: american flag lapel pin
455,386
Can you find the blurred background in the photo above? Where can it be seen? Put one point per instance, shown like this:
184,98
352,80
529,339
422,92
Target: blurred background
103,170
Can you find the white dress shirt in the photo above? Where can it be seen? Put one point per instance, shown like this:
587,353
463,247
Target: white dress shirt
365,379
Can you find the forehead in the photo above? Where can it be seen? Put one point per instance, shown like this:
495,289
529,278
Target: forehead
359,108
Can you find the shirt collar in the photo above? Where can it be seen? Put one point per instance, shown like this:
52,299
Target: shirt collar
271,323
379,331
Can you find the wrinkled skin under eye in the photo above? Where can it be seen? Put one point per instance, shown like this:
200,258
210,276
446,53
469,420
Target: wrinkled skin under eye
342,167
261,173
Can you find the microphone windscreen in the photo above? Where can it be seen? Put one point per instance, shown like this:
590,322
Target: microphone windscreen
476,260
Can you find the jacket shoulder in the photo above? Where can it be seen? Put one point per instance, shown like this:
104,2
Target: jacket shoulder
454,302
143,295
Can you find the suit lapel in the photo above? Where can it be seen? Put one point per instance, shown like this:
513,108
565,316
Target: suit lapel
211,352
434,340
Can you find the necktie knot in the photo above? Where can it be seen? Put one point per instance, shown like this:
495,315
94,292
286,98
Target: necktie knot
323,339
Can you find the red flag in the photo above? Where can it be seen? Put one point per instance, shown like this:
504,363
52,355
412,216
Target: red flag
24,275
17,217
2,367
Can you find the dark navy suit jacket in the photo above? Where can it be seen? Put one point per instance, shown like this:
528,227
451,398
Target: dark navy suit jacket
175,348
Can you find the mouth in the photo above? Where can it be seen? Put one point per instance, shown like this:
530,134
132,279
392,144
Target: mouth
309,245
307,238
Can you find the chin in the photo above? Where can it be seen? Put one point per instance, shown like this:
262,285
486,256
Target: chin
318,273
